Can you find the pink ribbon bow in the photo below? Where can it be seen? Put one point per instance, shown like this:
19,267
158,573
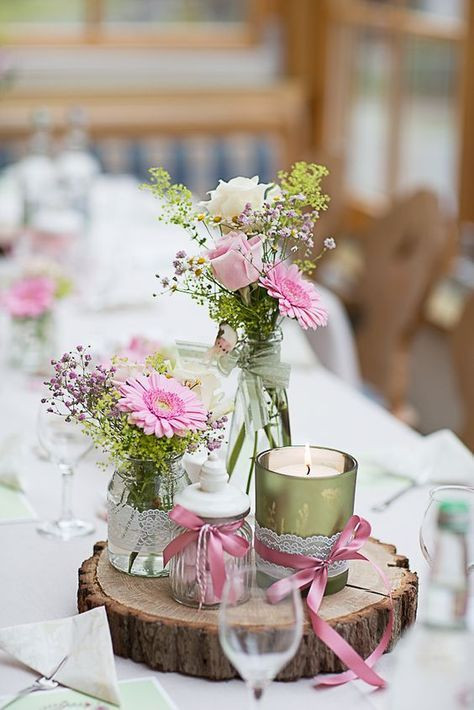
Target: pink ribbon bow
313,573
212,541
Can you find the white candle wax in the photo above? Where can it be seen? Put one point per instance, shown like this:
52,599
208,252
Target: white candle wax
316,471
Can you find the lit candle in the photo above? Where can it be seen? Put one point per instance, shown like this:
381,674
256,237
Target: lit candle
302,492
307,468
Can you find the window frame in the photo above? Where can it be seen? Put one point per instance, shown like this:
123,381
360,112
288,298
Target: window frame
92,32
397,22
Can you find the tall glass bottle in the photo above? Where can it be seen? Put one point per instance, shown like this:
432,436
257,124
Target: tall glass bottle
77,167
436,657
36,171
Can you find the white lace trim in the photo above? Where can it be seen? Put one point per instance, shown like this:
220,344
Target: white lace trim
317,546
148,531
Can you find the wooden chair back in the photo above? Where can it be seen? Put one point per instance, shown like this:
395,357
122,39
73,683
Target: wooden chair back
403,254
463,356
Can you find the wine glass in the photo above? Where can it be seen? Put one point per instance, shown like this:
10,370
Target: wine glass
258,638
66,445
428,527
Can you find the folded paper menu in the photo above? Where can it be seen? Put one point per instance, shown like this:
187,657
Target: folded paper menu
84,639
139,694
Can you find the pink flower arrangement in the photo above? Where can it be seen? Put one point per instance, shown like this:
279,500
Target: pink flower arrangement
297,297
236,261
161,406
30,297
138,349
130,360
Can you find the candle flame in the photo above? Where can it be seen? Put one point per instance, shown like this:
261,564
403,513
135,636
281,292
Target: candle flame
307,455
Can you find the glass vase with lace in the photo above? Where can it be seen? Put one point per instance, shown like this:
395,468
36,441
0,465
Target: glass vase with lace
140,494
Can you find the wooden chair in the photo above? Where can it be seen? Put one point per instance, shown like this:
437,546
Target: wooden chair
463,355
404,253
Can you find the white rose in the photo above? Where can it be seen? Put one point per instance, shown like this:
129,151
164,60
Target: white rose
229,198
205,385
126,370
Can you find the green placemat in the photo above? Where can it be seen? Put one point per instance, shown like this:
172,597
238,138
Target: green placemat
140,694
14,506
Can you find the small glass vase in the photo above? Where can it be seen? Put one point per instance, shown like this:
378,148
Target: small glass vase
191,588
140,495
261,418
32,343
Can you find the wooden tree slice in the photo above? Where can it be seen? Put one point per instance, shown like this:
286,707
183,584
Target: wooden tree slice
148,626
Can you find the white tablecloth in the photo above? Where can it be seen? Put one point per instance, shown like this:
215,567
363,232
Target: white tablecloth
38,577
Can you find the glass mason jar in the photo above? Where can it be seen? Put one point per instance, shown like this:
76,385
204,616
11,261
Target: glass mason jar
138,500
261,418
191,582
32,343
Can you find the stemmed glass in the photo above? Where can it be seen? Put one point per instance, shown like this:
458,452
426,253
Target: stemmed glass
428,527
257,637
66,445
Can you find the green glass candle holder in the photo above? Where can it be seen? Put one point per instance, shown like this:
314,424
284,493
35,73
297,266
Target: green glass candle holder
301,508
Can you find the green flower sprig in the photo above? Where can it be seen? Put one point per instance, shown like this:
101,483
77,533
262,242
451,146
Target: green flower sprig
305,179
88,395
284,224
177,201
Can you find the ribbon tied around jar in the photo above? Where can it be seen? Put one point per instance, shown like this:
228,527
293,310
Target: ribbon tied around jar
212,540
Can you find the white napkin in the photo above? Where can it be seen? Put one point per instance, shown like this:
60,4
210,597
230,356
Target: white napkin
439,457
85,639
11,459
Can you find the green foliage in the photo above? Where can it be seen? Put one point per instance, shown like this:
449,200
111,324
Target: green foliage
121,441
305,179
255,319
306,266
177,201
158,363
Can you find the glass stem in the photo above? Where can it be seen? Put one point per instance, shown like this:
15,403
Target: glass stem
255,697
66,498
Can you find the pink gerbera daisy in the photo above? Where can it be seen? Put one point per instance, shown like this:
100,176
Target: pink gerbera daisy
161,406
30,297
297,297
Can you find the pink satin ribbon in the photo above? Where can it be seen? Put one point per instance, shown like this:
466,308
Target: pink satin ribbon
212,541
313,573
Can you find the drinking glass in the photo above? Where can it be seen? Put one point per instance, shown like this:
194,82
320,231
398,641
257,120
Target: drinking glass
258,638
428,527
66,445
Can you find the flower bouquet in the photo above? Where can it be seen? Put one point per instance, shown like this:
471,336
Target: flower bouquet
30,302
255,245
144,416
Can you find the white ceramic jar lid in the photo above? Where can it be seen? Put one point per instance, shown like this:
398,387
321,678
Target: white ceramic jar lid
213,496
